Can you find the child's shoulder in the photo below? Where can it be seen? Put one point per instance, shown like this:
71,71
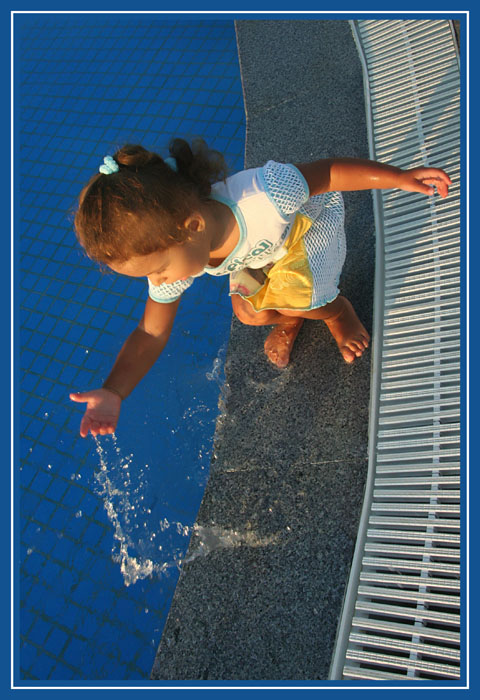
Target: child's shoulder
264,178
242,185
280,184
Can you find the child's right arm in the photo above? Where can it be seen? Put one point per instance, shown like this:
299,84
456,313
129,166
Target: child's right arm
346,174
139,352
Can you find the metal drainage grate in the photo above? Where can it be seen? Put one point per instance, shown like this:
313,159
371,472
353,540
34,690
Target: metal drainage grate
401,617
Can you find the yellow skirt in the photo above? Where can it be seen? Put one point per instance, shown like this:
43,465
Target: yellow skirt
307,276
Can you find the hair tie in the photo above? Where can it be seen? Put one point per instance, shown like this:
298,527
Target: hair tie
172,163
109,166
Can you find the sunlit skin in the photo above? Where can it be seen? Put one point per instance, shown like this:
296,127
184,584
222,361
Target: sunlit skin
213,236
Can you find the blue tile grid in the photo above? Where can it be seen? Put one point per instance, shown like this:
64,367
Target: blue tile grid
84,85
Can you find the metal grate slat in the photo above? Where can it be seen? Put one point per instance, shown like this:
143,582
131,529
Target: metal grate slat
446,584
401,615
408,613
400,629
400,645
440,670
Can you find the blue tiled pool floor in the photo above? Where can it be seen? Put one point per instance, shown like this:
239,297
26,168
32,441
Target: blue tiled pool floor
84,85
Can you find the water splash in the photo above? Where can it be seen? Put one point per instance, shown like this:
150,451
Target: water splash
135,548
217,374
145,544
213,537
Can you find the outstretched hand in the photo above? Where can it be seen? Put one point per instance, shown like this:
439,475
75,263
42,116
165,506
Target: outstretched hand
424,180
101,414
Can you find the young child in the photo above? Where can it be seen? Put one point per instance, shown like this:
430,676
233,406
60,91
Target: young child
276,230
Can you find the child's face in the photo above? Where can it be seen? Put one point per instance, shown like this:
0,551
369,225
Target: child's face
167,266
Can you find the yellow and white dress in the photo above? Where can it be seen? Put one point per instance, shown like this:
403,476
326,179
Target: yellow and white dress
291,248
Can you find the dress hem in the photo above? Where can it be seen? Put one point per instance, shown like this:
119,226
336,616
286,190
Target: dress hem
286,308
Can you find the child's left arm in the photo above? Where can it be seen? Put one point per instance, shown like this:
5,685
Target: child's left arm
345,174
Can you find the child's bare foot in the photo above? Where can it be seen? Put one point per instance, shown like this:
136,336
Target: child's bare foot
347,329
279,343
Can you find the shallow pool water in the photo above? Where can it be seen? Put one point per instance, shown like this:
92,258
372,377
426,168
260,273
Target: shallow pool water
103,524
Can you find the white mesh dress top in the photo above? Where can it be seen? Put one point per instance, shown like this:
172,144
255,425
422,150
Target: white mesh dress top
266,202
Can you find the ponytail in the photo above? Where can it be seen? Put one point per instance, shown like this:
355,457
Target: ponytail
198,163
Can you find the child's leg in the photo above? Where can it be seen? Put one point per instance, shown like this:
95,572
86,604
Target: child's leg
279,343
339,316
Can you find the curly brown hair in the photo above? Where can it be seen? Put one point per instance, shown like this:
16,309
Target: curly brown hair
142,208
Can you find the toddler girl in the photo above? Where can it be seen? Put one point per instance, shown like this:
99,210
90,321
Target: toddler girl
276,230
